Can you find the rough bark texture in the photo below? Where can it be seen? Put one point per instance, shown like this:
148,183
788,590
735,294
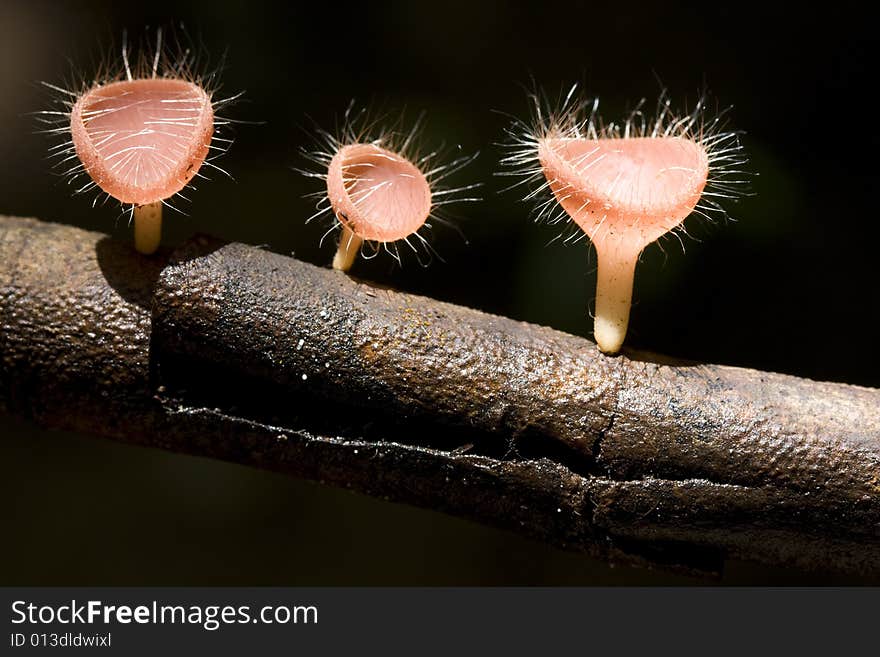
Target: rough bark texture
229,351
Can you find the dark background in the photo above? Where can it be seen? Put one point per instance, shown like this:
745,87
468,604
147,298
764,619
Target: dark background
789,286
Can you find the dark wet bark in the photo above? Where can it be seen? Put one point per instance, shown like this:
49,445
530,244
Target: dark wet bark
228,351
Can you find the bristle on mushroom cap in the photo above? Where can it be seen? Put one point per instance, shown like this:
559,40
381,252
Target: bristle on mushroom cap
629,190
143,140
376,193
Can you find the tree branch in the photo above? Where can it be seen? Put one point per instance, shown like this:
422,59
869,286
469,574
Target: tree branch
228,351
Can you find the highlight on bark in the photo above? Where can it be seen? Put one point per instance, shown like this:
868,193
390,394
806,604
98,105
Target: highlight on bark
139,133
623,186
381,189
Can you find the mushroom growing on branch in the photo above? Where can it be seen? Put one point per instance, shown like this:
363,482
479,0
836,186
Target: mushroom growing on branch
140,136
624,186
379,190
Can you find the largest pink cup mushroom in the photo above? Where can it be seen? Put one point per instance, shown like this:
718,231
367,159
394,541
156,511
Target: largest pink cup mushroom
625,194
624,191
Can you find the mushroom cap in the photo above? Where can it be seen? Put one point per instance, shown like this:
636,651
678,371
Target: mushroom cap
626,191
378,194
143,140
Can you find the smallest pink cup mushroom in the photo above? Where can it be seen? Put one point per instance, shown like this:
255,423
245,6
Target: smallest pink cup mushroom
377,195
378,192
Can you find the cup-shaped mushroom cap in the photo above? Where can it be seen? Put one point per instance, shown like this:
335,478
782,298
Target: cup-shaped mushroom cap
143,140
628,191
376,193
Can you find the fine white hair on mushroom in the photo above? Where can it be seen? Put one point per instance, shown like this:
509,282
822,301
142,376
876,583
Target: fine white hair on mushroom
169,54
571,116
437,164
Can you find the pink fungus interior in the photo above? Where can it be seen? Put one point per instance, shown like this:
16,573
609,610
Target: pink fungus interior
378,194
143,140
629,191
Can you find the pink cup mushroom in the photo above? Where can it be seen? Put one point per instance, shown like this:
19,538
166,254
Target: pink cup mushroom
378,193
140,139
625,189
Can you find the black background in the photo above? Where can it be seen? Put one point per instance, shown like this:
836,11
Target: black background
789,286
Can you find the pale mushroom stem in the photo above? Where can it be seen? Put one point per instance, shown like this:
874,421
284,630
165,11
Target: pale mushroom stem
614,289
147,227
347,251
